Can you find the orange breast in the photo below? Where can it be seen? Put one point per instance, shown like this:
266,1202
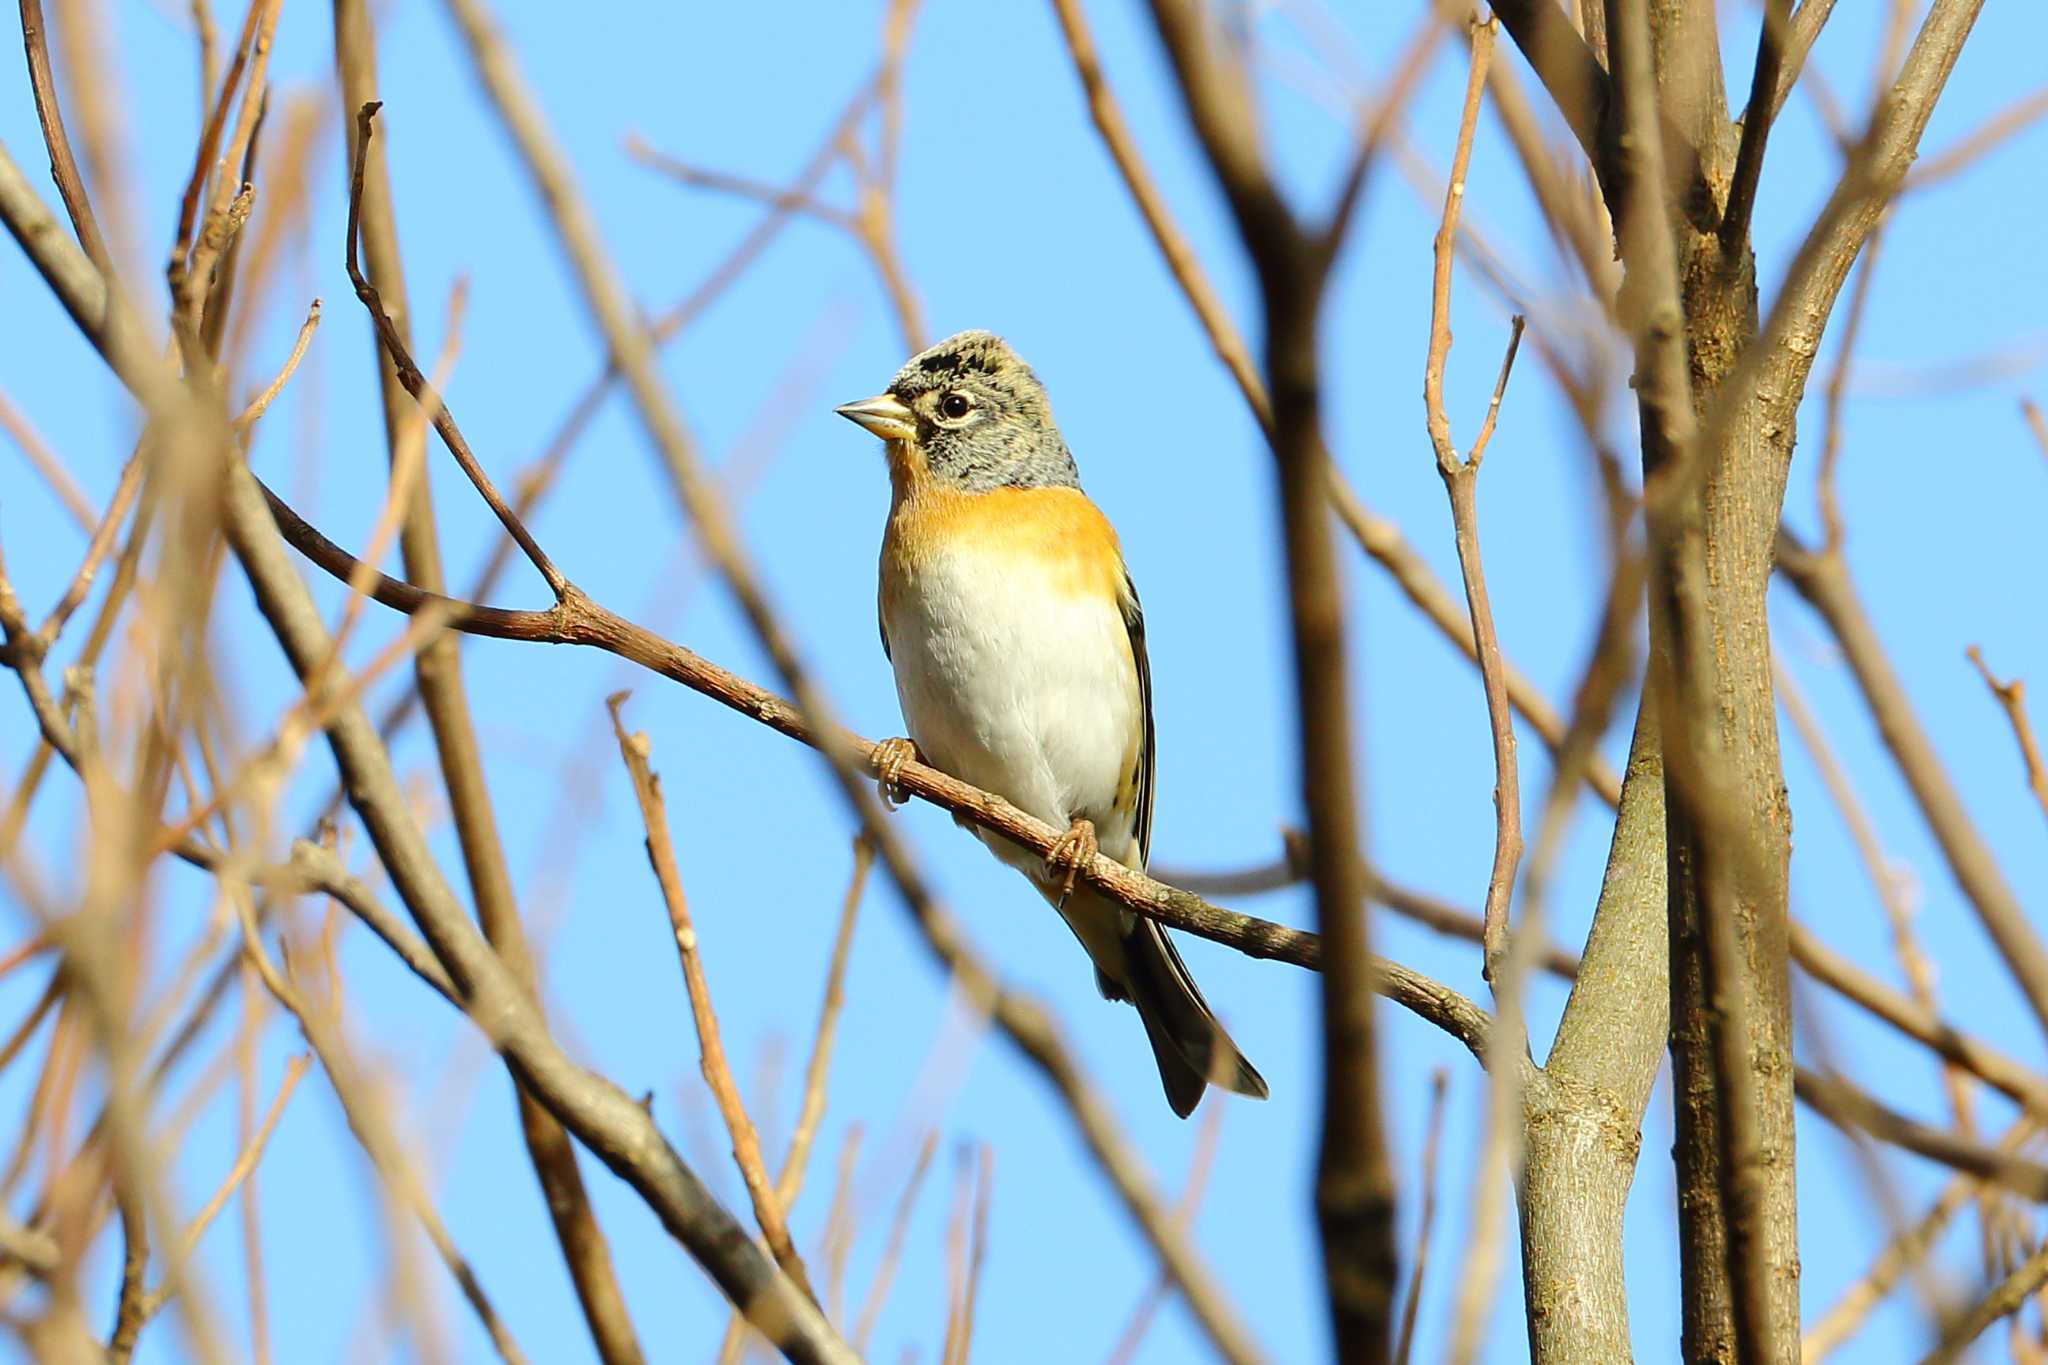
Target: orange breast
1070,540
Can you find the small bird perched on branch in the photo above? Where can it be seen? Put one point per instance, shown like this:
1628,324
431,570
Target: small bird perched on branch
1019,650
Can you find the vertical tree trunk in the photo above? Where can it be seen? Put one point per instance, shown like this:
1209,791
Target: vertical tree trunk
1736,520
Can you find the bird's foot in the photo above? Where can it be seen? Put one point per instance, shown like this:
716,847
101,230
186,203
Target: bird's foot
1073,848
889,757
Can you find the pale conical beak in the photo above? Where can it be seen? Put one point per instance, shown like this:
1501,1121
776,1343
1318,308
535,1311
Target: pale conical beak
883,415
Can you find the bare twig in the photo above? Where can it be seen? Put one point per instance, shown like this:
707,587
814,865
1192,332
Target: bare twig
892,1249
2036,423
818,1070
259,404
63,166
2013,697
416,383
1439,1082
95,552
967,1244
201,240
1804,26
1461,477
1887,880
1756,125
1919,1021
243,1169
1825,490
46,464
321,1025
1379,538
746,1144
1853,1111
1823,580
2008,1296
614,1127
1975,146
1909,1248
1191,1193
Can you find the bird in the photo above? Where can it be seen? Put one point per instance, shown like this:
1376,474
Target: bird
1018,646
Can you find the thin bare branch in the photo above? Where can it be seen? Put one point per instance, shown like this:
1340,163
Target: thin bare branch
818,1070
1973,147
1909,1248
746,1144
46,464
2013,697
1432,1141
892,1248
260,404
1772,39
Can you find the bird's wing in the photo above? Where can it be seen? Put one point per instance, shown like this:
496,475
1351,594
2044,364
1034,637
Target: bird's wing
1134,623
882,628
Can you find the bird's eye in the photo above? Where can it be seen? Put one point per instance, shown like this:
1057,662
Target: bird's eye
954,405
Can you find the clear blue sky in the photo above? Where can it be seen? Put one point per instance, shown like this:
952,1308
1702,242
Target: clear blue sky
1012,219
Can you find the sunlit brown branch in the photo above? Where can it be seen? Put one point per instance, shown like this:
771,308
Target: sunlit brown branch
416,383
579,620
634,749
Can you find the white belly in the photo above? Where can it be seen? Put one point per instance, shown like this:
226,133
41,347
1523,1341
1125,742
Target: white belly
1019,689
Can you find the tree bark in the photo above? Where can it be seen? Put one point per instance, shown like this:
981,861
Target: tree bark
1584,1110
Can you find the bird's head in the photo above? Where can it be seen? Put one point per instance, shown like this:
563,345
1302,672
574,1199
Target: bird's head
968,415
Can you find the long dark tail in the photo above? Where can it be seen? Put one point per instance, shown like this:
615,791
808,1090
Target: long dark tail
1192,1049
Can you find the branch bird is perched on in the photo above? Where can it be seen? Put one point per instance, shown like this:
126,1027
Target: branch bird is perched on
1019,651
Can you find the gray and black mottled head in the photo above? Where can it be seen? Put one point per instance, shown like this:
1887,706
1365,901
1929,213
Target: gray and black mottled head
975,414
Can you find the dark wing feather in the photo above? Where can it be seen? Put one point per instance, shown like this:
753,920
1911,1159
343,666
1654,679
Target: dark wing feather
882,627
1134,622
